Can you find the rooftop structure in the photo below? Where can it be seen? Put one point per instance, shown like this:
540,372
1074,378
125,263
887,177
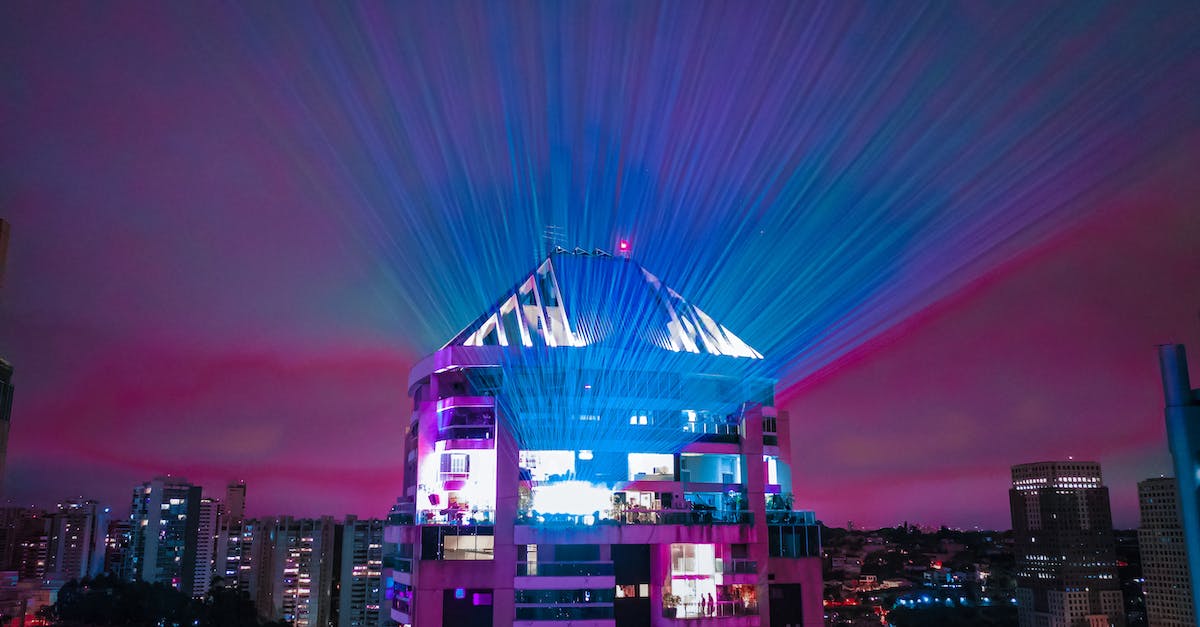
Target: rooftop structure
1182,413
612,452
1064,547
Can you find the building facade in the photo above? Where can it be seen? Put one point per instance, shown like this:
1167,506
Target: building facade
116,546
1064,547
163,535
207,531
77,537
293,565
6,369
1168,588
1182,413
596,451
233,548
6,403
361,591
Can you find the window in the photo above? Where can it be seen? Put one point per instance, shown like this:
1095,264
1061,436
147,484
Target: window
468,548
456,463
651,467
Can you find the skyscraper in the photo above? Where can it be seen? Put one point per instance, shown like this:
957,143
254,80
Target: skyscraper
24,541
6,369
15,524
294,566
361,594
77,535
235,502
241,549
1164,555
116,545
6,403
1182,414
1064,547
231,553
164,517
207,531
5,231
595,450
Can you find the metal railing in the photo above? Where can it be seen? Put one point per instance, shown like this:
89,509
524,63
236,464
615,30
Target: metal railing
639,516
737,566
718,609
564,569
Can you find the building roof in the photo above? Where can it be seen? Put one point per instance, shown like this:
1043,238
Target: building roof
580,298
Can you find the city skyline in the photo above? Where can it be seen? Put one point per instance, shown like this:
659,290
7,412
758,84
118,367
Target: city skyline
208,296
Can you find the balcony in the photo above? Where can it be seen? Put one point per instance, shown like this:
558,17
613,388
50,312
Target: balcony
564,569
714,430
730,600
798,538
457,516
466,418
639,516
737,567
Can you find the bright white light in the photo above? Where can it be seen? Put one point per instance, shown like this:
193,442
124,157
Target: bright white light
578,498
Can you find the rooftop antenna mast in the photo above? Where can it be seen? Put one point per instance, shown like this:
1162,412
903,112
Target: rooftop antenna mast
555,237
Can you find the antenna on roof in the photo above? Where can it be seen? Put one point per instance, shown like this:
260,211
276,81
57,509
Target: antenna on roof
555,237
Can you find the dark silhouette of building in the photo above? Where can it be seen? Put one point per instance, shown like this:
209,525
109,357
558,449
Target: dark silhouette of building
6,402
6,370
1064,547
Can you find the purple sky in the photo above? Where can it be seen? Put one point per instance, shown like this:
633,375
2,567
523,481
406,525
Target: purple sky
1049,357
187,291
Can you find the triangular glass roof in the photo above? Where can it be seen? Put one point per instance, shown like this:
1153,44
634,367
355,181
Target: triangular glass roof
577,299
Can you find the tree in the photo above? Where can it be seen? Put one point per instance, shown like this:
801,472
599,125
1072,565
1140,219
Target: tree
108,601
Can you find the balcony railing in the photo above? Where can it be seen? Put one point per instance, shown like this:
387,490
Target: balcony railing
719,609
737,567
791,517
640,516
451,516
564,569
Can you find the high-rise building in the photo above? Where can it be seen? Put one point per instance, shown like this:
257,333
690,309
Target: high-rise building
164,516
15,523
294,567
6,369
5,231
1064,547
207,532
77,537
235,502
1168,589
595,450
6,403
231,558
361,593
24,541
241,549
1182,414
116,545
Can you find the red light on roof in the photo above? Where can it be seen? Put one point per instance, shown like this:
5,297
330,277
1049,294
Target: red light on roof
623,245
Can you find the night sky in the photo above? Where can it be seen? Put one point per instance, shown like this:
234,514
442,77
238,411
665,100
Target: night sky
957,233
